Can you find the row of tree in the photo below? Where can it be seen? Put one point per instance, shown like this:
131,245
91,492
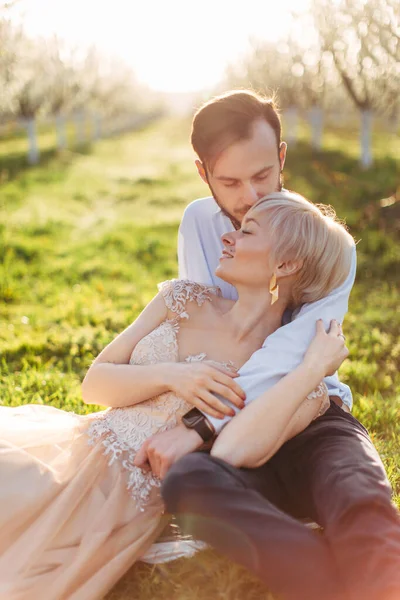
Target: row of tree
47,77
339,56
48,80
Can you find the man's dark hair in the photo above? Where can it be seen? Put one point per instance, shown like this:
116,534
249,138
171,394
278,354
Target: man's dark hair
227,119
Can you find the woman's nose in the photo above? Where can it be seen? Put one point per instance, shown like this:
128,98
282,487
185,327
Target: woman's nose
228,239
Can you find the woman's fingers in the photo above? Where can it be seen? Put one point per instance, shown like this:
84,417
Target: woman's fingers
208,409
215,403
228,394
204,381
327,350
219,367
334,328
320,326
231,384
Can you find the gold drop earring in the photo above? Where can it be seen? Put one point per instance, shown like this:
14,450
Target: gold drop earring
274,289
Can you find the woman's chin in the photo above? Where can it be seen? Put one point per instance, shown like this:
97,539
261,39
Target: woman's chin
222,272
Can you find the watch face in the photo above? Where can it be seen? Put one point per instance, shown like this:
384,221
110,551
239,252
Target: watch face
192,417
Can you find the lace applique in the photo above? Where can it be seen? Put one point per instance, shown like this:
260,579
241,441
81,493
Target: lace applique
320,392
203,356
196,357
159,346
177,292
122,431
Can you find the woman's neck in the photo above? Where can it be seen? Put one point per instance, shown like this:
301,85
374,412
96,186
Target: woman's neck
253,315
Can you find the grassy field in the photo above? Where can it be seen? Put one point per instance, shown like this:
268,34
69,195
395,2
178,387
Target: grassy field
85,237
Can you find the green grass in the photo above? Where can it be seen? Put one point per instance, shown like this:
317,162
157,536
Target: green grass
85,236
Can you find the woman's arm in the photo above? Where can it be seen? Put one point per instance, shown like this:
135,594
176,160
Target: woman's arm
284,349
111,380
309,409
259,430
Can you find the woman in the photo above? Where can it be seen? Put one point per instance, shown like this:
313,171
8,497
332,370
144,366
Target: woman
75,510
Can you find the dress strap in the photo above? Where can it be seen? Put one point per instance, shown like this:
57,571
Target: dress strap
176,292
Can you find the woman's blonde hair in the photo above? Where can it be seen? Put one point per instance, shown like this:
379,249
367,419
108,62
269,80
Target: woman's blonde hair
311,233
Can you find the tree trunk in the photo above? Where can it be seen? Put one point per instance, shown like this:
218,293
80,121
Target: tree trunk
80,133
60,131
365,138
96,127
394,121
33,148
316,117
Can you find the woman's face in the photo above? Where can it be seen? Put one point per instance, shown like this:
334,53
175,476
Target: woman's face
245,259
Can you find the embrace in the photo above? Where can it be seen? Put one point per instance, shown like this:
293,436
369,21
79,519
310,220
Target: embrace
224,407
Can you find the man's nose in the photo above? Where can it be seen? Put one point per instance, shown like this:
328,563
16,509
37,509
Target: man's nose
251,195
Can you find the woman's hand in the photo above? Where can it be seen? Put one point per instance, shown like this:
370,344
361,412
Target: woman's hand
197,382
327,350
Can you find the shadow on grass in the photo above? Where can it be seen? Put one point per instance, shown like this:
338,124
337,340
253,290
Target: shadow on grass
332,171
12,165
66,355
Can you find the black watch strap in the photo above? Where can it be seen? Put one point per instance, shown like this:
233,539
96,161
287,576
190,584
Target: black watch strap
194,419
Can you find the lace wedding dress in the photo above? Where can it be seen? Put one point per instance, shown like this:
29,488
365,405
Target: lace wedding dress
75,513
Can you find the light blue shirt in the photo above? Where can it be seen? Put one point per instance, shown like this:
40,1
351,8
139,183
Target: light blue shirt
199,250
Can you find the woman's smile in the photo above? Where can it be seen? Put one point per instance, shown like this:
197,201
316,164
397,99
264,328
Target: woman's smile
226,254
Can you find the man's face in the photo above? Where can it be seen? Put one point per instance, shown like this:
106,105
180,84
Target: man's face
246,171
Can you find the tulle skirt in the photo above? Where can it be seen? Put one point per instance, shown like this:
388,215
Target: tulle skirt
69,529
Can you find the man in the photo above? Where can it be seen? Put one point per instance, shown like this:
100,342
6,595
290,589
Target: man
330,471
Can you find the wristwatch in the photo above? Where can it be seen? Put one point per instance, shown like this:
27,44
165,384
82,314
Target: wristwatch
194,419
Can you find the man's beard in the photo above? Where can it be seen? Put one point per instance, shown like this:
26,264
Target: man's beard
237,224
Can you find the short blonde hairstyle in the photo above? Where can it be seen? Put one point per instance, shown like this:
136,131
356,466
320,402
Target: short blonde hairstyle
311,233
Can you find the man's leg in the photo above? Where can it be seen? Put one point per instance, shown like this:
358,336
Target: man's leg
350,496
235,510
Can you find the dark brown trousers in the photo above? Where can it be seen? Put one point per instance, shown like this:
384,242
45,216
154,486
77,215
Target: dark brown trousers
330,473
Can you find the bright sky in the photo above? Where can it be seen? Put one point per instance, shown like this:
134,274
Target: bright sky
173,45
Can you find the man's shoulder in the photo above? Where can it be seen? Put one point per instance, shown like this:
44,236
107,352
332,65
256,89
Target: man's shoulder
201,207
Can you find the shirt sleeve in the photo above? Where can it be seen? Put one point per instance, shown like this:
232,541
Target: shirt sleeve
192,257
283,351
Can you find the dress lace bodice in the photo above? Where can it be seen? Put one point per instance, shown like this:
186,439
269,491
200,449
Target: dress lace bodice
122,431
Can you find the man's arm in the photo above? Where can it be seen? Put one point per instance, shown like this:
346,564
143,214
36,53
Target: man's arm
254,435
192,255
200,245
281,354
283,351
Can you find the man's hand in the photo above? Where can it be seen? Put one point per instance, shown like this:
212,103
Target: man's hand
163,449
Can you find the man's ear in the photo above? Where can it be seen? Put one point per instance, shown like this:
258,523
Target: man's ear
282,154
288,268
201,170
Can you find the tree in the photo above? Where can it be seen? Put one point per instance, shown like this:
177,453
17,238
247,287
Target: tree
300,76
362,38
